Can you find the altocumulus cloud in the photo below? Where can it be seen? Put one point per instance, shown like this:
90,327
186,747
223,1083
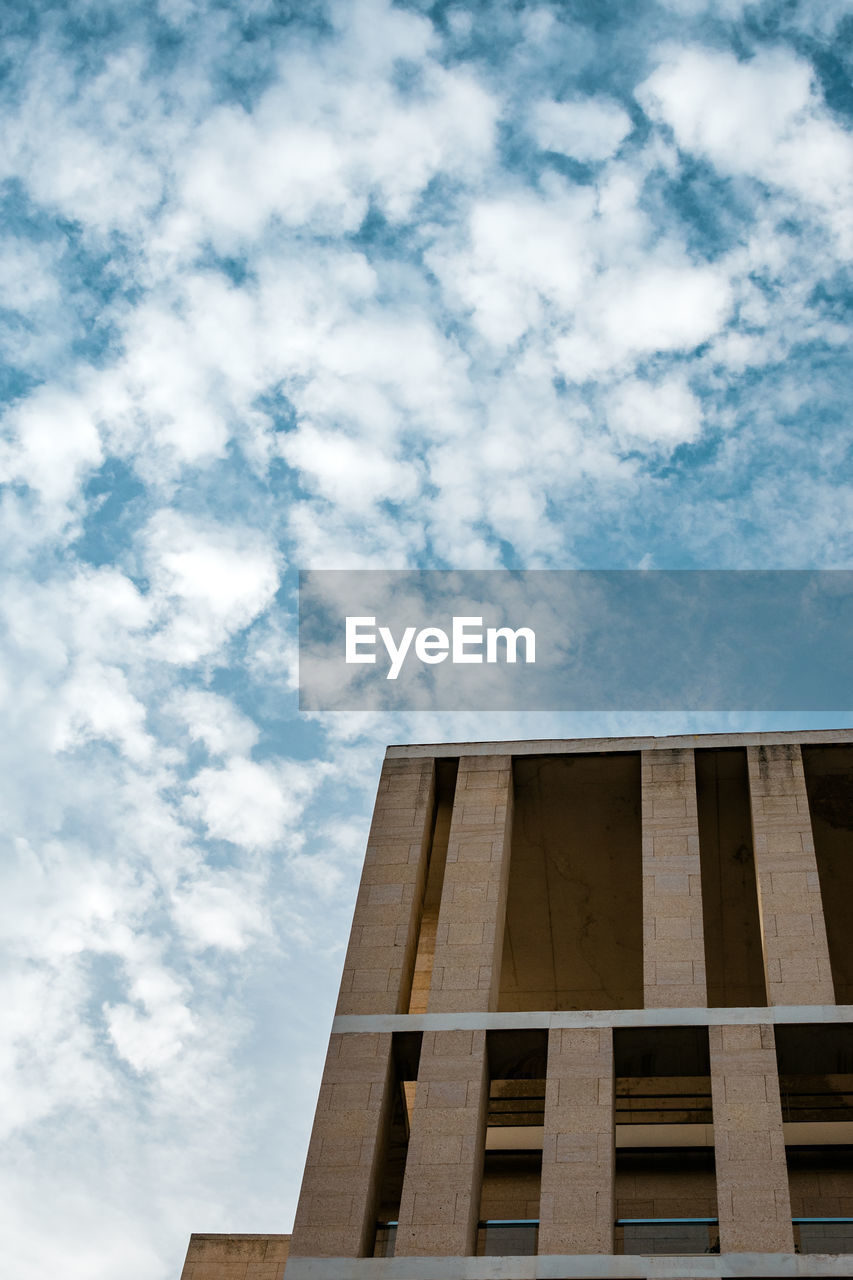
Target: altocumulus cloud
327,285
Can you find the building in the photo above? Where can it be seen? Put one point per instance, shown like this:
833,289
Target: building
596,1018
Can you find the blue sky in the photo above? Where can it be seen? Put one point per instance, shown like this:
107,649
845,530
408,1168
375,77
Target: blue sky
291,285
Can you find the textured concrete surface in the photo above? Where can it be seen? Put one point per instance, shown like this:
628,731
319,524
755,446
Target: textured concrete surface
648,742
752,1176
441,1188
841,1013
574,927
335,1214
235,1257
751,1266
469,937
796,954
381,952
577,1202
673,951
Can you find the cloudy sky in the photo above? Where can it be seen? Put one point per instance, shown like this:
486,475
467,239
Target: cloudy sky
290,284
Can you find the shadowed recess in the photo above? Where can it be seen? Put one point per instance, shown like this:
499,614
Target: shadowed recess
573,936
732,928
829,782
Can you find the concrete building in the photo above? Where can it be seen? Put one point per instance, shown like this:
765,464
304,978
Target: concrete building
596,1019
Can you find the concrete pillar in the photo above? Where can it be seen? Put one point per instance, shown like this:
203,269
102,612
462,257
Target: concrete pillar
673,941
796,956
444,1167
469,937
577,1206
753,1203
335,1215
381,952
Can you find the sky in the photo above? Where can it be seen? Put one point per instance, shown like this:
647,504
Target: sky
345,285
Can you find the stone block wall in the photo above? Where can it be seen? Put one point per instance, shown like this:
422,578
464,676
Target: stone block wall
466,967
673,953
235,1257
335,1215
442,1184
796,954
381,952
577,1204
752,1174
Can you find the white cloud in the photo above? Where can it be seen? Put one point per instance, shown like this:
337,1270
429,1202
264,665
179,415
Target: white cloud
351,473
223,911
657,307
663,307
664,414
763,118
93,155
54,444
525,256
27,276
246,803
96,702
246,169
216,722
146,1041
318,147
210,583
589,129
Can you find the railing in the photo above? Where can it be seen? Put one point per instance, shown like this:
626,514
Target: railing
517,1109
385,1240
667,1235
507,1237
519,1237
809,1098
664,1108
823,1235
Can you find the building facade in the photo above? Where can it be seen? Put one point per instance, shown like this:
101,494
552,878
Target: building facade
596,1017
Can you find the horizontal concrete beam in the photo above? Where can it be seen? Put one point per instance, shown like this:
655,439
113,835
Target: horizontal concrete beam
573,1267
798,1133
548,746
530,1137
537,1019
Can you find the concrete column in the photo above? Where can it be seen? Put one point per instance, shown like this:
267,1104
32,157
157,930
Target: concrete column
381,952
753,1203
577,1198
469,937
335,1214
444,1168
673,940
796,956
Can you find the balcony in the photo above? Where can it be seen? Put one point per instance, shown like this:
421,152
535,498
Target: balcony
385,1239
517,1237
507,1237
823,1235
667,1235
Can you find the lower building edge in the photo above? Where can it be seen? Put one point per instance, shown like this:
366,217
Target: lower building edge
760,1266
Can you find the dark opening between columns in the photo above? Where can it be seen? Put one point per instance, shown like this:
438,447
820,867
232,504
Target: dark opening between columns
829,783
574,925
445,789
733,956
406,1053
666,1192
